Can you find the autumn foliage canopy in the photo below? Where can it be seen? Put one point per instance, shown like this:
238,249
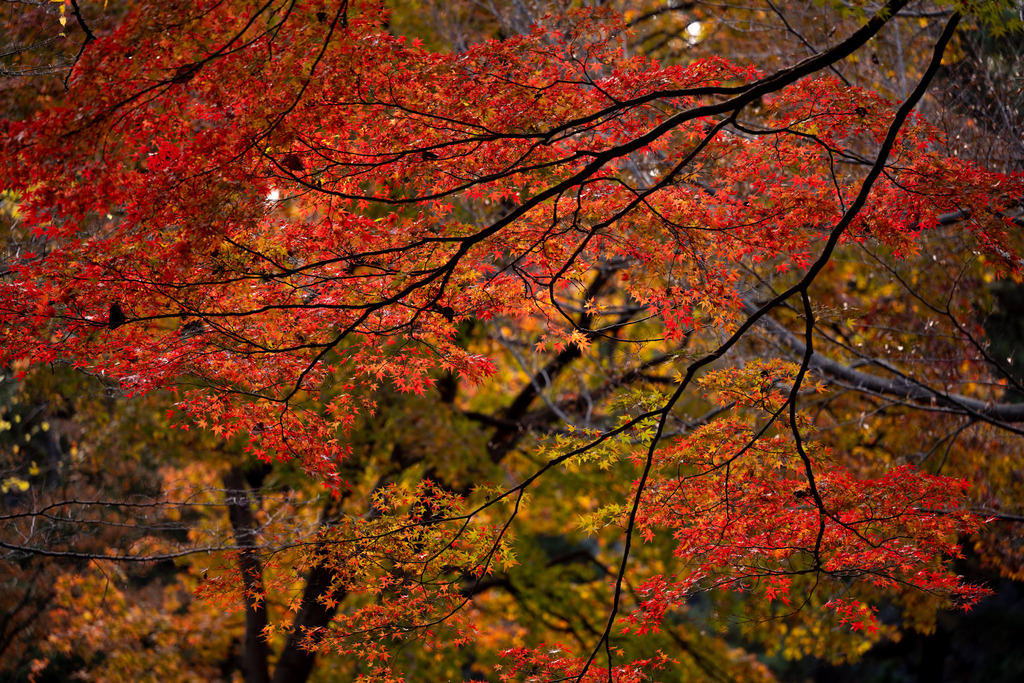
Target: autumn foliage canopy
630,278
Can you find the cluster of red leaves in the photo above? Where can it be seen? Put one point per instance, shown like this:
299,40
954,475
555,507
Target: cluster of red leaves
277,208
552,663
737,501
156,196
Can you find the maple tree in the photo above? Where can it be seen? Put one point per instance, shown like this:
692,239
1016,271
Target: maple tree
311,228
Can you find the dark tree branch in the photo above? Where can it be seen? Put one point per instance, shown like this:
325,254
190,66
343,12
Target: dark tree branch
903,388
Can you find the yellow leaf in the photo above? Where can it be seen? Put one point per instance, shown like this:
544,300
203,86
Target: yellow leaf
12,483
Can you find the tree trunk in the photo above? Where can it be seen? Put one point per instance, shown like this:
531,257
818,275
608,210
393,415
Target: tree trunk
243,524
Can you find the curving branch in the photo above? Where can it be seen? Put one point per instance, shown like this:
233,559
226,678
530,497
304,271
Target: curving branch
901,387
